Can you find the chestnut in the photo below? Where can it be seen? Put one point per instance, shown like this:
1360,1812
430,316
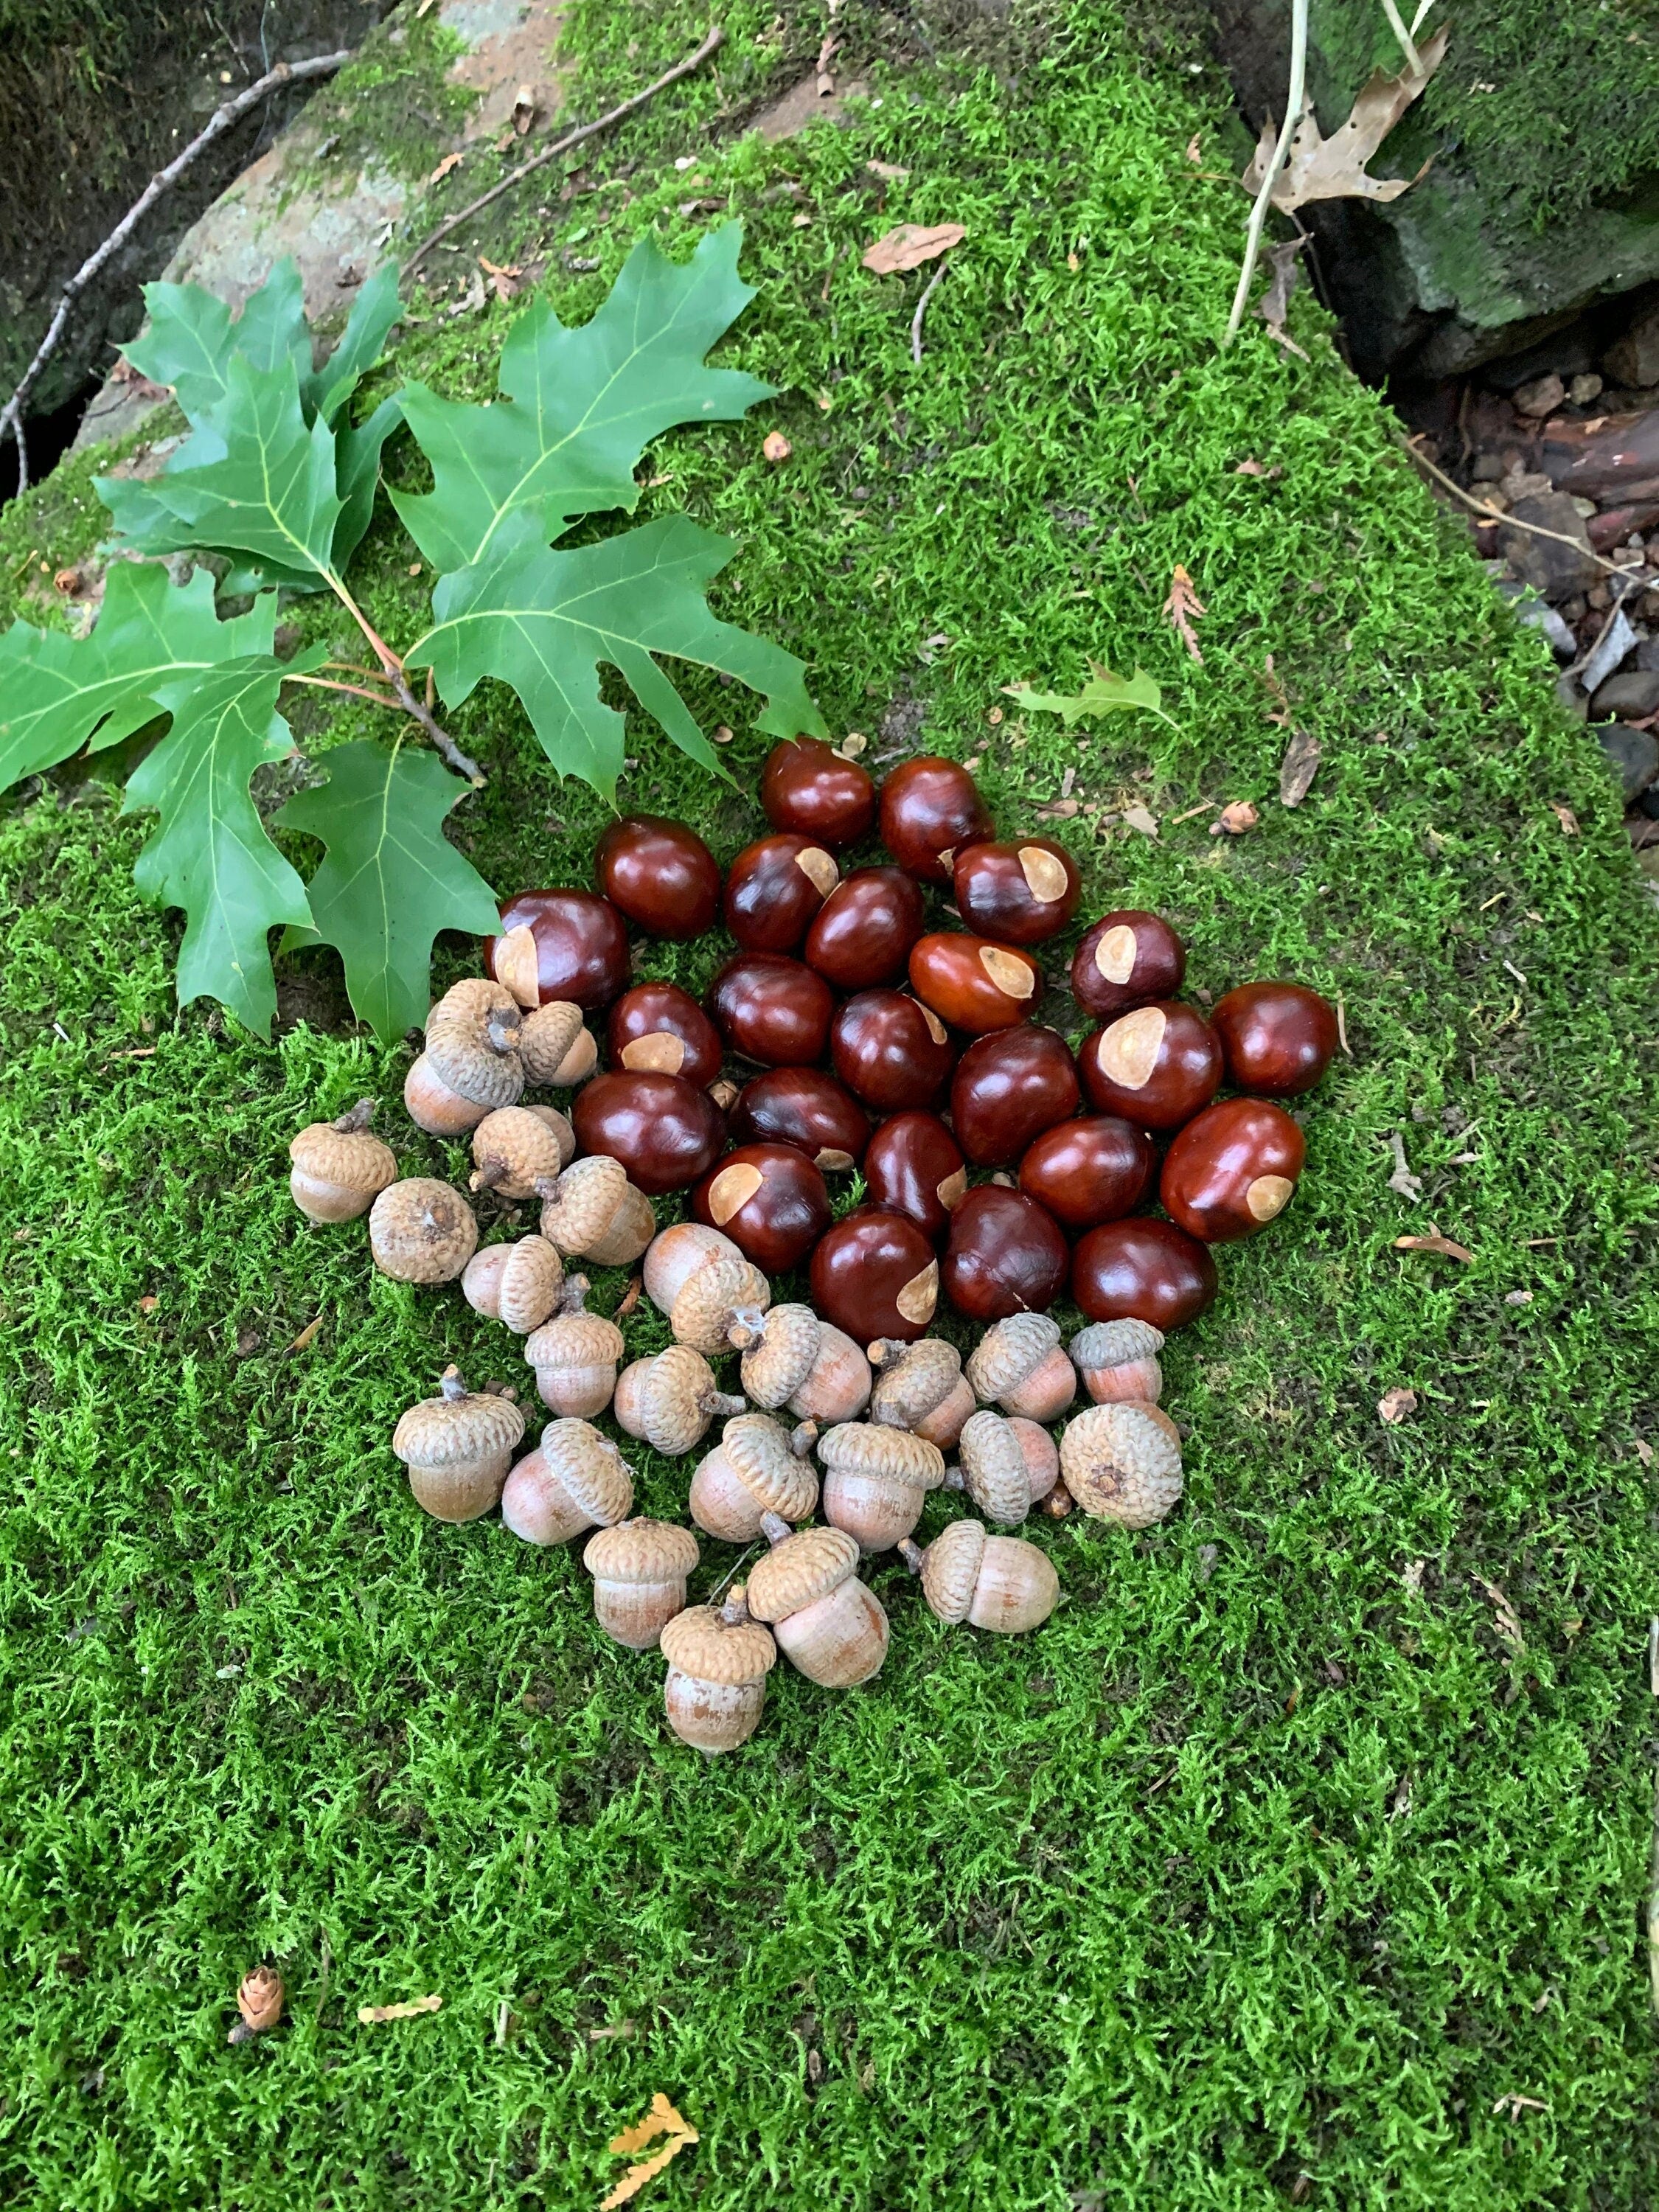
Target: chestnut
1126,959
773,890
769,1200
973,983
560,945
1019,894
930,809
1008,1088
863,933
807,1108
1088,1171
660,874
659,1030
1143,1269
1231,1169
1276,1038
811,790
1007,1255
771,1008
1156,1067
665,1131
874,1275
915,1166
891,1051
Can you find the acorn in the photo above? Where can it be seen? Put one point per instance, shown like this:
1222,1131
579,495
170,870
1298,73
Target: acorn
1122,1463
518,1284
422,1231
1118,1361
1000,1582
1018,1365
575,1478
513,1149
260,2002
792,1359
638,1569
920,1386
877,1481
680,1252
670,1400
1040,1453
701,1286
557,1050
457,1448
997,1471
592,1212
718,1662
757,1467
827,1623
339,1169
470,1066
575,1356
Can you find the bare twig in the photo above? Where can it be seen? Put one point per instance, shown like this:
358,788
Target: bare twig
1407,44
921,309
463,763
11,416
693,62
1491,514
1264,198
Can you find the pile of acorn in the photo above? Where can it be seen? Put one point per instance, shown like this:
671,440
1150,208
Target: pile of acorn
876,1399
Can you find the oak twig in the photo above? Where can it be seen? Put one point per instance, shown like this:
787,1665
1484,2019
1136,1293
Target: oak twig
1513,521
1281,151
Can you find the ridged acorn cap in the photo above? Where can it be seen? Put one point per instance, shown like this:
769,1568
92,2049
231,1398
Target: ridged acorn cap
699,1641
994,1468
1122,1463
641,1552
471,1041
591,1469
344,1152
512,1150
775,1368
950,1569
420,1230
545,1038
702,1313
757,1451
575,1339
583,1203
1007,1354
522,1280
454,1430
805,1567
866,1448
912,1379
676,1391
1115,1343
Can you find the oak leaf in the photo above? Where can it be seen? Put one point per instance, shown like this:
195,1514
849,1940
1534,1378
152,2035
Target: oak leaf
1334,168
910,245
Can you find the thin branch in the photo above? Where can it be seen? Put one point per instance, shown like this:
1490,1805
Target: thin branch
693,62
11,416
921,309
355,691
461,762
1281,150
1407,44
1513,521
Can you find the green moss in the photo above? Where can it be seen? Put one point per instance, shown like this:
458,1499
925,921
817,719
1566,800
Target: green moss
393,107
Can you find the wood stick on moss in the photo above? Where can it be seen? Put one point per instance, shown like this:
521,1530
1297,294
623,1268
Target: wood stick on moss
1513,521
716,39
11,416
1281,153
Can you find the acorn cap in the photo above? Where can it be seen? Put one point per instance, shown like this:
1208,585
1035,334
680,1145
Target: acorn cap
950,1569
1122,1463
457,1428
866,1448
998,1479
702,1313
582,1202
700,1642
471,1041
912,1379
591,1468
545,1037
1007,1354
422,1231
758,1452
1115,1343
641,1552
527,1286
803,1568
675,1392
574,1340
775,1366
513,1149
344,1152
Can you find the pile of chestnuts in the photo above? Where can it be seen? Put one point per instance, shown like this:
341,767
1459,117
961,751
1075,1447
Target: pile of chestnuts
1000,1167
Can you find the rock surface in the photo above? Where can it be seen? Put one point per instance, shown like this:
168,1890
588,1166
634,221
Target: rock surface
1555,569
1633,754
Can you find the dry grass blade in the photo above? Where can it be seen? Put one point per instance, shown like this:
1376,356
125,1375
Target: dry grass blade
307,1335
368,2015
1443,1246
1505,1620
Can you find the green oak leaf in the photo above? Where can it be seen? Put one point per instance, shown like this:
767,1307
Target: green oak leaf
392,879
210,855
1103,694
543,620
190,338
357,450
58,693
584,405
373,312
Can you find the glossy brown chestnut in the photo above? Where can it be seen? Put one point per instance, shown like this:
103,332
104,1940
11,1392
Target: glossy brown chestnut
1126,959
773,890
1008,1088
1093,1169
807,1108
665,1131
660,874
874,1275
771,1008
1276,1039
891,1051
579,943
658,1029
1019,893
864,929
807,788
769,1200
973,984
930,809
1155,1066
1143,1269
1231,1171
915,1166
1007,1255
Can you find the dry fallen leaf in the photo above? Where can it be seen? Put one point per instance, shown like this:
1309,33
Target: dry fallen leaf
1516,2104
826,53
1298,768
1181,607
504,283
369,2014
1505,1623
630,1298
1334,168
776,447
661,2120
888,172
853,745
149,1304
1442,1247
1073,263
1249,469
1275,302
449,161
524,109
1138,817
1396,1406
307,1335
910,245
1566,817
1643,1451
1194,153
1412,1576
1235,819
1402,1180
1062,809
621,2029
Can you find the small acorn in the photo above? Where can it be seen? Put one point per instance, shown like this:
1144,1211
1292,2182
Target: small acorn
700,1285
260,2002
1118,1361
558,1051
559,1124
999,1468
513,1149
792,1359
1000,1582
575,1478
422,1231
592,1212
920,1386
470,1066
457,1448
757,1467
1122,1463
877,1481
518,1284
339,1169
827,1622
575,1356
1042,1456
670,1400
638,1569
718,1662
1018,1365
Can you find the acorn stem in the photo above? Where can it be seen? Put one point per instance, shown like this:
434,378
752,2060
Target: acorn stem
912,1554
802,1437
453,1386
356,1119
735,1611
501,1029
775,1529
748,1327
721,1403
573,1299
954,1480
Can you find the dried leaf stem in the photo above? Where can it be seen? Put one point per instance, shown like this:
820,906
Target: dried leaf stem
1281,151
921,308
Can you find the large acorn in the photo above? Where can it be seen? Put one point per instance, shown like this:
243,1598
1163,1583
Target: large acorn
457,1448
471,1064
1000,1582
877,1481
920,1386
757,1467
339,1169
827,1623
590,1211
420,1230
670,1400
792,1359
638,1569
575,1478
718,1662
1122,1463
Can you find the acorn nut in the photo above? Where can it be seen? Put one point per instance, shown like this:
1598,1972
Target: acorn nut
792,1359
700,1285
457,1448
575,1478
1018,1365
1000,1582
718,1662
557,1049
339,1169
470,1066
517,1285
1118,1361
1122,1463
592,1212
422,1231
827,1623
575,1356
757,1467
996,1470
877,1481
638,1569
670,1400
920,1386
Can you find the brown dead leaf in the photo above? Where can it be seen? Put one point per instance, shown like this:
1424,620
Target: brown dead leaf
630,1298
368,2015
1182,606
1194,154
1396,1406
504,283
449,161
910,245
661,2120
1334,168
636,2176
1236,820
1062,809
1141,819
826,53
149,1304
1643,1451
307,1335
1251,469
1275,302
1442,1247
853,745
1505,1621
1515,2104
888,172
69,582
776,447
524,109
1566,817
1298,768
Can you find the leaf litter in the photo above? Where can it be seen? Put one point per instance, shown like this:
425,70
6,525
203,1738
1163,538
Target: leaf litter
1334,168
